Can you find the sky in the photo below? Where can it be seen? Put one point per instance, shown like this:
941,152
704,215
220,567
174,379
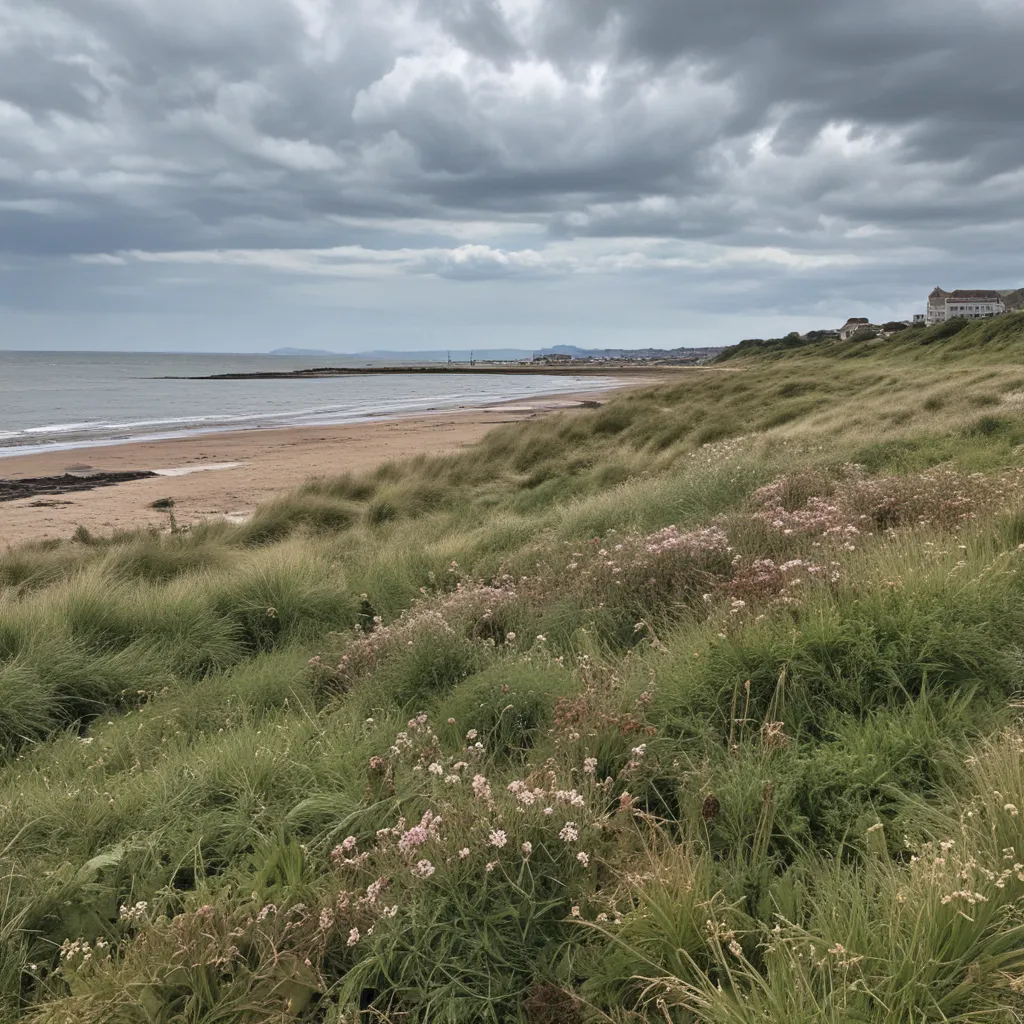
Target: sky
241,175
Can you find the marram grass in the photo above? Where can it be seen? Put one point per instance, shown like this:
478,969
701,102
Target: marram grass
701,706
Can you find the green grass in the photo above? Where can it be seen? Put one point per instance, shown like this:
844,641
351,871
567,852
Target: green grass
676,781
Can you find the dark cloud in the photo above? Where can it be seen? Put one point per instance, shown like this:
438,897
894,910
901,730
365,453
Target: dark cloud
479,26
672,152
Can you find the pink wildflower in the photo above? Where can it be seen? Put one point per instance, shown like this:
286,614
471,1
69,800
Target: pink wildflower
412,840
373,891
569,796
423,869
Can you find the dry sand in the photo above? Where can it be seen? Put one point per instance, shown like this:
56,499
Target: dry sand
229,474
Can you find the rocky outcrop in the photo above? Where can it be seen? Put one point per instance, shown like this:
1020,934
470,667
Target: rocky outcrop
31,487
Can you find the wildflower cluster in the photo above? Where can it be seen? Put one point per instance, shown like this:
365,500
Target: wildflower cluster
468,610
671,567
407,842
417,742
764,579
498,827
134,914
667,565
78,954
959,878
695,543
713,455
597,707
253,943
859,504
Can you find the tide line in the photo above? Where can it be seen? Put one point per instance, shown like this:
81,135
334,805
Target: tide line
186,470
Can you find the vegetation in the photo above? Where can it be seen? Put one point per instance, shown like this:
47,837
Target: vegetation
699,706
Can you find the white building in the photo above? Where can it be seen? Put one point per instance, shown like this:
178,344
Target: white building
970,303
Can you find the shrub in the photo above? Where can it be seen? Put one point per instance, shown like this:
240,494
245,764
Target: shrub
864,334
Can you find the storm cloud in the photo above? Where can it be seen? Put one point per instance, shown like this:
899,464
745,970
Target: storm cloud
352,174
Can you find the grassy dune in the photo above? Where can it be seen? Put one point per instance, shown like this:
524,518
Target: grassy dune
701,706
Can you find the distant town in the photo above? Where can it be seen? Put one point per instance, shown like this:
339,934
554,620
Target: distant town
940,305
568,355
557,356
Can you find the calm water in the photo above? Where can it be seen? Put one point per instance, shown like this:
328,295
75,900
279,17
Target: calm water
53,400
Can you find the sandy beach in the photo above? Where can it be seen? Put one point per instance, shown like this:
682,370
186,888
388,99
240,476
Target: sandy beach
228,474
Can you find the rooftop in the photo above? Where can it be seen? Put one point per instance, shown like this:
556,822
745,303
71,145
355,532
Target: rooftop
972,295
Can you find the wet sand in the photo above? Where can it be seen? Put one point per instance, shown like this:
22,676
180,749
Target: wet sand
229,474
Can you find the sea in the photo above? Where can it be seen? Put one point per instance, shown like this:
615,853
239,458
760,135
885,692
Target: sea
64,400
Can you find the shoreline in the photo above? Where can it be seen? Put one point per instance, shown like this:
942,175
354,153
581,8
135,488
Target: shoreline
226,474
513,369
90,435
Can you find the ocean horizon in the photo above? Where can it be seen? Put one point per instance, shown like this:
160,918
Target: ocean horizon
53,401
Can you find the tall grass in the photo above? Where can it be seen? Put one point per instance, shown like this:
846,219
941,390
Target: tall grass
660,711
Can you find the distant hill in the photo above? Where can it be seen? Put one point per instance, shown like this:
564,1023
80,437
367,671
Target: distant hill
1013,299
301,352
504,354
631,353
429,356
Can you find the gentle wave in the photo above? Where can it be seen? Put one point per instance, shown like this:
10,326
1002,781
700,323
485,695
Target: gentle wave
351,408
65,428
298,416
93,433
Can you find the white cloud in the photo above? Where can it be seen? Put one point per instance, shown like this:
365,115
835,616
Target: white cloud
476,262
102,259
788,158
473,262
